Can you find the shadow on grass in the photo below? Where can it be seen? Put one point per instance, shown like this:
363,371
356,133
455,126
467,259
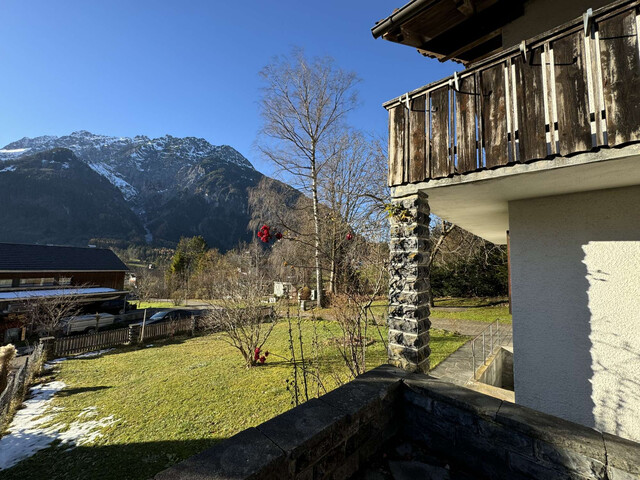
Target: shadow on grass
113,462
67,392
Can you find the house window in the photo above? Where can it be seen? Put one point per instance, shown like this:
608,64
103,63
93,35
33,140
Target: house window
6,282
63,281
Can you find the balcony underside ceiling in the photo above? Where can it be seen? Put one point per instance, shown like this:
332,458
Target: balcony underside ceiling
462,30
479,201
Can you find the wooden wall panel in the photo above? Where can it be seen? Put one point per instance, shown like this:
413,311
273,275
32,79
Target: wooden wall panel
418,154
572,96
530,106
396,144
466,125
494,116
621,77
440,166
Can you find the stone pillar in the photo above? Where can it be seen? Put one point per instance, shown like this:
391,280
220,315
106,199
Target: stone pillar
409,283
134,334
48,348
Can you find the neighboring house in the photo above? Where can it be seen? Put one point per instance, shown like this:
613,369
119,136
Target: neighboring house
29,272
533,145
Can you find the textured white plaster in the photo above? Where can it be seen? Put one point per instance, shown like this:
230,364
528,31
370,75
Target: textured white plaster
575,263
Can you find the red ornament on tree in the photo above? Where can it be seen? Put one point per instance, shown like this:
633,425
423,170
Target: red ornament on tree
349,236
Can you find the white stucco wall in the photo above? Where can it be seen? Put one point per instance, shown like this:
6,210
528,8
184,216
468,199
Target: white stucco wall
575,264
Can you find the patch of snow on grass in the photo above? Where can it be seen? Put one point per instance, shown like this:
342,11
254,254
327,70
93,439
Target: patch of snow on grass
27,433
97,353
25,437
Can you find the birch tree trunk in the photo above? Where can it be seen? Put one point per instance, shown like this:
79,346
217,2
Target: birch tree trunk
316,222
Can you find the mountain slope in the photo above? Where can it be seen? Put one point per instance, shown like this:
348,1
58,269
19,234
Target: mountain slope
52,197
173,186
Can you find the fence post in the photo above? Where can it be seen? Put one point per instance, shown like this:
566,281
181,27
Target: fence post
134,334
484,356
48,347
473,356
491,338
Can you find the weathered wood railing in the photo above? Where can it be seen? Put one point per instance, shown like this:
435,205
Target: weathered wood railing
567,91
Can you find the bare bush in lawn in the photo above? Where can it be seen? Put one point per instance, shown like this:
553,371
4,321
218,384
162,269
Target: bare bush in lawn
45,314
237,310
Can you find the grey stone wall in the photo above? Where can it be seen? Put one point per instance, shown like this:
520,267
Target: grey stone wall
479,437
409,283
496,439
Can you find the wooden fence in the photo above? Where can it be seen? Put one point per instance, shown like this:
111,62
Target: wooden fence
122,336
168,329
569,90
92,341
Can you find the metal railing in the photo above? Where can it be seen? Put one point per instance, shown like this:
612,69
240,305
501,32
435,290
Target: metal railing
489,340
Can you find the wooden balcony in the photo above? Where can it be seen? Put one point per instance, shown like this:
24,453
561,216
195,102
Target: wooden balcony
571,90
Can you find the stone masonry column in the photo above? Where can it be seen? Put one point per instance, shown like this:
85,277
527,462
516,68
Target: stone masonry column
409,283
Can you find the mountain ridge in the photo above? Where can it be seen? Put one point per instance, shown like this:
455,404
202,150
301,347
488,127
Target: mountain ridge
174,186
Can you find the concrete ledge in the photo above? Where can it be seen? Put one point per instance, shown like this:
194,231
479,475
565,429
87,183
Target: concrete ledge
247,455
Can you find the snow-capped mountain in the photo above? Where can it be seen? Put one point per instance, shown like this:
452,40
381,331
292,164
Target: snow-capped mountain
131,163
174,186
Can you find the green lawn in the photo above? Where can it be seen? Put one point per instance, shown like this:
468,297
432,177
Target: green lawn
471,302
177,398
143,305
477,314
484,310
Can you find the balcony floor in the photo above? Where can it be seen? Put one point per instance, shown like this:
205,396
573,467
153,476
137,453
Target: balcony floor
479,201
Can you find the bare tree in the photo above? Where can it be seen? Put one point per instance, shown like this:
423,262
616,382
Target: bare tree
304,105
149,284
45,314
237,310
350,188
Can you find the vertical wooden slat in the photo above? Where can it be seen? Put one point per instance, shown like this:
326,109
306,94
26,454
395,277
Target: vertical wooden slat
396,144
601,118
530,102
621,77
451,133
418,140
572,101
466,125
494,116
479,130
440,133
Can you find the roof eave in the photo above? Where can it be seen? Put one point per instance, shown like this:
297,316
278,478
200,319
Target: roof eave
400,16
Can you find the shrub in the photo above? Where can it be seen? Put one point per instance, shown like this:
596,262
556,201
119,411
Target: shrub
305,293
7,354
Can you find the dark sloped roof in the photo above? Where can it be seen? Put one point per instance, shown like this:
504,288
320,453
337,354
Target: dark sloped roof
45,258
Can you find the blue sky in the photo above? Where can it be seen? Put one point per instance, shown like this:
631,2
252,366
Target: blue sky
184,68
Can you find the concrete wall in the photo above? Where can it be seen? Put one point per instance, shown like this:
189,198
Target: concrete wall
499,371
576,307
542,15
